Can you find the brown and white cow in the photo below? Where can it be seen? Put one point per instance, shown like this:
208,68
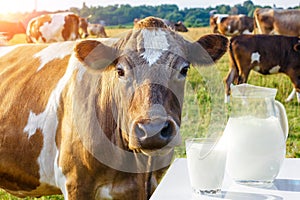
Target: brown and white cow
231,25
9,29
56,27
95,121
266,54
96,30
279,22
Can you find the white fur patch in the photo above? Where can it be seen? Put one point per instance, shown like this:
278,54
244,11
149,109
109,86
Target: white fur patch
104,192
53,30
60,178
274,70
255,57
54,51
246,32
47,122
155,43
220,17
7,49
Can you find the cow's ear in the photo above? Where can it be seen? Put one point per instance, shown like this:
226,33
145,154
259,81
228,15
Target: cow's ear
297,47
94,54
208,49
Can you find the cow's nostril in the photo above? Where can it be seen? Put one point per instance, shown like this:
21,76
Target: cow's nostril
167,131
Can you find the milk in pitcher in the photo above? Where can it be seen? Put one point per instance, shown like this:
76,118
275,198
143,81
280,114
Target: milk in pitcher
256,148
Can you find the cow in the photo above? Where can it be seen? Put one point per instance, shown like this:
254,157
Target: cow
279,22
266,54
96,30
9,29
56,27
231,25
177,26
96,121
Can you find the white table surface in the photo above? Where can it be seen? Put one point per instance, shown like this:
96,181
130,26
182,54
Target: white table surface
175,185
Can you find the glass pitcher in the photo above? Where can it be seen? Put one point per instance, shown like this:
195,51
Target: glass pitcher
256,133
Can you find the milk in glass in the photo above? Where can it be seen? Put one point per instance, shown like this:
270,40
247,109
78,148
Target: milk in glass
206,161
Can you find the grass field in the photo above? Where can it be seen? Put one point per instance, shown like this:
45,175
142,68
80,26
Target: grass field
199,108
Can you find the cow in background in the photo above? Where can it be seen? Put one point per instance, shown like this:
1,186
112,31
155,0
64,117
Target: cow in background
96,121
9,29
176,26
56,27
231,25
266,54
97,30
277,22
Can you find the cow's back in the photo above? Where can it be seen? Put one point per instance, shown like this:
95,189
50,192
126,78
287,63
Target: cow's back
28,75
287,22
281,22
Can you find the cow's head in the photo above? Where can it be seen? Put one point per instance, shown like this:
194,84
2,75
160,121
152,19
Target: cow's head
146,73
179,26
83,27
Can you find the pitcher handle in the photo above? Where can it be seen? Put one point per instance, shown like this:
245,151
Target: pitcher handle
283,118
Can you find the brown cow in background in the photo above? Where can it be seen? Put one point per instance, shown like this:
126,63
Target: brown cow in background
266,54
97,30
231,25
56,27
277,22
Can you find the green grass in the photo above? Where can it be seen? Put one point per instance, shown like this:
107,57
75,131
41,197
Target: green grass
198,109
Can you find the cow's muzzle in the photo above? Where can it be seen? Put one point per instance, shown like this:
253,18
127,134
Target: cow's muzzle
154,134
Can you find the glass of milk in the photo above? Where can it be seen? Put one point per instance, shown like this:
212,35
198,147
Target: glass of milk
206,159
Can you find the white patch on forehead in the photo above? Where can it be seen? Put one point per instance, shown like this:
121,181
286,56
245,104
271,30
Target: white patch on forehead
255,57
47,122
155,43
274,70
54,51
53,30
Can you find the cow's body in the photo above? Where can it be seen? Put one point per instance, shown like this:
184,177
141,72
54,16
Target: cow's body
231,25
266,54
277,22
97,30
93,121
9,29
56,28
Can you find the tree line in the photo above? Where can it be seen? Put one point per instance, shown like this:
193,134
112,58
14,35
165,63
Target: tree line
123,15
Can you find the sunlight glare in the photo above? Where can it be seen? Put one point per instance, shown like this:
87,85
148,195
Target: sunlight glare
12,6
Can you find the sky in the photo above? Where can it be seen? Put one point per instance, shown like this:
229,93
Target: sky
12,6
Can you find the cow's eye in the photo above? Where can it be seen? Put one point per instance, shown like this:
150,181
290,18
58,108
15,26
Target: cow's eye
184,70
120,71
